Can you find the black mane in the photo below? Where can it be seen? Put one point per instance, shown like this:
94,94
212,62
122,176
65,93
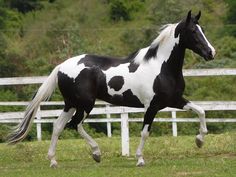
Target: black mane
151,53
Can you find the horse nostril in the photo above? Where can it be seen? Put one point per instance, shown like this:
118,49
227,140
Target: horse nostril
210,54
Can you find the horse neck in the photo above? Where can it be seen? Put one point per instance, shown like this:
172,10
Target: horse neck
174,64
171,56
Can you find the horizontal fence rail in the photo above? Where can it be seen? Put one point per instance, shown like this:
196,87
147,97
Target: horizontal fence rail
186,72
106,110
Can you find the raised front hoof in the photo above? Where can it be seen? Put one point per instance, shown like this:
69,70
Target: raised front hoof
97,158
199,142
53,164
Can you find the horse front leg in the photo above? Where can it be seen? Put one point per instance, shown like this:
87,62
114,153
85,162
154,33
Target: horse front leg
139,152
148,119
203,128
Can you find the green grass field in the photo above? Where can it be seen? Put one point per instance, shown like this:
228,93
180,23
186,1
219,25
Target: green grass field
165,156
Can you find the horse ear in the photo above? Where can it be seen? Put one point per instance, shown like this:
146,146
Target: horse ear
188,17
198,16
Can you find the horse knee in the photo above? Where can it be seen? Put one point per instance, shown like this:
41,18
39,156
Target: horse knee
197,109
201,112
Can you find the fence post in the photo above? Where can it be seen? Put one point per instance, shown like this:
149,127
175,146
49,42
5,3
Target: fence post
38,126
174,123
125,134
108,122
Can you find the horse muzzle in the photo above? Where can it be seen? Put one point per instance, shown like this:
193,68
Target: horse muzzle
210,55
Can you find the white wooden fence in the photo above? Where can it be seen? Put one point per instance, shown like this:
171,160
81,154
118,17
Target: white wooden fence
49,116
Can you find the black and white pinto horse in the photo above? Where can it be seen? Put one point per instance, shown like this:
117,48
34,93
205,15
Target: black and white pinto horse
150,78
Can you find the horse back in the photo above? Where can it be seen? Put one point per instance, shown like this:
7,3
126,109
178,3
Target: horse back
104,62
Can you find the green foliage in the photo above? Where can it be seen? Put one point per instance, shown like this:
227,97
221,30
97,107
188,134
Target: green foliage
10,23
8,95
66,42
167,11
226,46
9,19
24,6
133,39
119,11
231,17
123,9
69,134
4,130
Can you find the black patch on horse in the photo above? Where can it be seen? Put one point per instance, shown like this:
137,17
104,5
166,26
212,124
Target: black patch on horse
133,67
73,92
116,82
151,53
104,62
131,99
126,99
169,85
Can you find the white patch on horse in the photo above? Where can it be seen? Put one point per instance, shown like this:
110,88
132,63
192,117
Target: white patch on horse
144,135
93,144
140,56
147,70
58,127
213,51
139,152
71,68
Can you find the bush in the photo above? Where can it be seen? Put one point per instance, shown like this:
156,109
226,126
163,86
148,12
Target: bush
118,11
136,39
123,9
25,6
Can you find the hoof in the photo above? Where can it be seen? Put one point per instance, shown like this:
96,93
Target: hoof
199,142
97,158
53,164
140,163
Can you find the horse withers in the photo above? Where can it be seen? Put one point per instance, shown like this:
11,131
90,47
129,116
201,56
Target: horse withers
150,78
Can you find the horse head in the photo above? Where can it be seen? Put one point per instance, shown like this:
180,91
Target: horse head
191,35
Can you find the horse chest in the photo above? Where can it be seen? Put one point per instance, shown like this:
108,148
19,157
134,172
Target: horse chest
168,88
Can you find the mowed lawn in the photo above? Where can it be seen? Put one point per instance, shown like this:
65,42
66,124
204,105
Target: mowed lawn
165,156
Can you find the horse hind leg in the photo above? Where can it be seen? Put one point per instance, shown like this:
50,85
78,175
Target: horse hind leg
78,121
58,127
96,153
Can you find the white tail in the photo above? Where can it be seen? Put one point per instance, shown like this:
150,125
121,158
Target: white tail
43,93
